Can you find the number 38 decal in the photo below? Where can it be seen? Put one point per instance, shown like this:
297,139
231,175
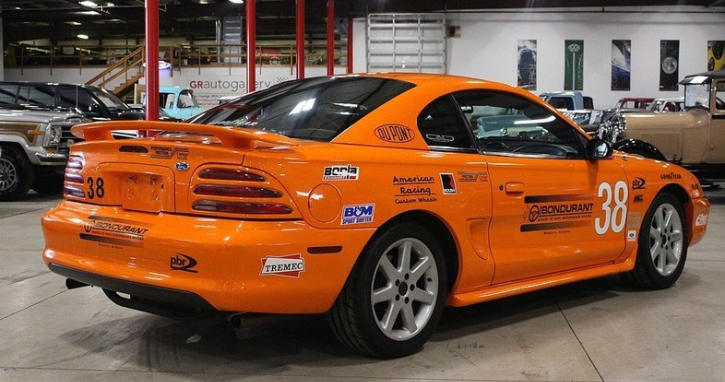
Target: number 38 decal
614,207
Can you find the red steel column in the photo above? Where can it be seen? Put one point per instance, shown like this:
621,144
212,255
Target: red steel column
300,38
152,60
330,37
251,46
349,45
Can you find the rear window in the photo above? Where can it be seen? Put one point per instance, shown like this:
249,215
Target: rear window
315,109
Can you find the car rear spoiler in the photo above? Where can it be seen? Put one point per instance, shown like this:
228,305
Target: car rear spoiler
229,136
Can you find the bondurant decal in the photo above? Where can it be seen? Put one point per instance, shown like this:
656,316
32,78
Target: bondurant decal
395,133
114,231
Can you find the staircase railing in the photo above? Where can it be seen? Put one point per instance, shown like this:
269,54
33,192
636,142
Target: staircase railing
129,63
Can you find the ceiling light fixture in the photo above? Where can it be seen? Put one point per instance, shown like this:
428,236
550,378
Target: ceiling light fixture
237,1
88,4
83,36
73,23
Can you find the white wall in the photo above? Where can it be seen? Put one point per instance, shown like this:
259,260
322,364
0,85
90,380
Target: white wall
2,61
487,47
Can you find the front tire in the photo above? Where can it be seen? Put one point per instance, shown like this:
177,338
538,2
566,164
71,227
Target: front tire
394,296
662,245
16,174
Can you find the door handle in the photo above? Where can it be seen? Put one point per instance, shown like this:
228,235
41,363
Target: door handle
514,188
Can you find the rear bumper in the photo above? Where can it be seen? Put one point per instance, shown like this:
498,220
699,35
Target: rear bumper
224,263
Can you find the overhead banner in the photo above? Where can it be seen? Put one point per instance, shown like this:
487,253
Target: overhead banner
574,65
621,64
527,64
715,59
669,64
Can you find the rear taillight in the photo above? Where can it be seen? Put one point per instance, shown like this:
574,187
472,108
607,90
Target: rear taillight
242,207
236,191
230,174
73,180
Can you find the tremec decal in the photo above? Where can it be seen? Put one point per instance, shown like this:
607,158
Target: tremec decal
348,172
394,133
114,231
358,214
286,266
549,212
411,189
165,152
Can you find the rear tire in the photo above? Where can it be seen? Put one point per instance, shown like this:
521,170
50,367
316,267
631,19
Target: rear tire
16,174
393,299
662,245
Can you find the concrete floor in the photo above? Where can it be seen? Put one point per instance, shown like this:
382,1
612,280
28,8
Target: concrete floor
590,331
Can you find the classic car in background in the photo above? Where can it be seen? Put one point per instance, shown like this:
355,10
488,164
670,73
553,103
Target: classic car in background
626,105
577,107
362,197
667,105
34,144
693,138
178,102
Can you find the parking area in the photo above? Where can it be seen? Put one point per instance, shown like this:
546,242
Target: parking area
598,330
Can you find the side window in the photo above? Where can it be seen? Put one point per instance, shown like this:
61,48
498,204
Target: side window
7,94
507,123
67,96
88,104
720,96
565,103
168,99
442,125
37,95
185,100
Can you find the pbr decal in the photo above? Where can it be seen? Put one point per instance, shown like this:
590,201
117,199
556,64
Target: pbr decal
286,266
348,172
467,176
395,133
448,182
182,262
548,212
114,231
638,184
632,235
412,189
358,214
165,152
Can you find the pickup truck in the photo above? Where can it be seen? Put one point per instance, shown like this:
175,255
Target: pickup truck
577,107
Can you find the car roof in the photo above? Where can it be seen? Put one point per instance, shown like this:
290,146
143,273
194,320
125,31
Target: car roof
703,78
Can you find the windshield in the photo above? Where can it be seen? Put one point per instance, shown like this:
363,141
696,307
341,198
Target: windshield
316,109
697,96
111,101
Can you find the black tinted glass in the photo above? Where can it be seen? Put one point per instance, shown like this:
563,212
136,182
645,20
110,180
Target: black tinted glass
442,125
315,109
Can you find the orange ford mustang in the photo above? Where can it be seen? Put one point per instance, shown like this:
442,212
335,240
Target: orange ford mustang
378,199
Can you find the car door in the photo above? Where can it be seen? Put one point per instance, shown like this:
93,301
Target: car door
716,134
553,209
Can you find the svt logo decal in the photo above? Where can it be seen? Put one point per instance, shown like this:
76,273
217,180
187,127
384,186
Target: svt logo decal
184,263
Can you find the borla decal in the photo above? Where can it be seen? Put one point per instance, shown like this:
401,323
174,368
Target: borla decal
348,172
552,212
182,262
449,184
358,214
286,266
114,231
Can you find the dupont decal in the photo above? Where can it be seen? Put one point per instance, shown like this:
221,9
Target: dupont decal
395,133
670,176
348,172
468,176
632,235
114,231
182,262
449,184
414,189
166,152
286,266
638,184
701,220
358,214
553,212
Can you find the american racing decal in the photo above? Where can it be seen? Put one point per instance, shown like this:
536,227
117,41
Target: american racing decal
287,266
632,235
114,231
670,176
701,220
449,183
348,172
358,214
165,152
182,262
638,183
549,212
395,133
411,189
467,176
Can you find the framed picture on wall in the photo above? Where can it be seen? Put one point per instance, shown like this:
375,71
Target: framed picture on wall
527,64
573,64
621,64
715,58
669,64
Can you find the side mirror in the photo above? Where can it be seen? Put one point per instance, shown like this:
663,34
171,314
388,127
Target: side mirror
598,148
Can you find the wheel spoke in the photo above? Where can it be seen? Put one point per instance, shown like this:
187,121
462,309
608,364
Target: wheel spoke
654,233
422,296
672,257
675,236
662,261
384,294
409,319
658,220
387,268
668,219
655,249
423,265
391,315
404,257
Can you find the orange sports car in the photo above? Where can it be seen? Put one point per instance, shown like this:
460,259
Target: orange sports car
378,199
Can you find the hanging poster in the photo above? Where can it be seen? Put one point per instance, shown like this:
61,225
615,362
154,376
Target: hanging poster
527,64
621,64
574,65
715,59
669,64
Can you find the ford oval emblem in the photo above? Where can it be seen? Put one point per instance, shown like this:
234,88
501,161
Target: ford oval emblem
182,166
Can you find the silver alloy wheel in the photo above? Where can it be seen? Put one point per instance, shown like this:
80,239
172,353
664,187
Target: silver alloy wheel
8,174
404,289
666,239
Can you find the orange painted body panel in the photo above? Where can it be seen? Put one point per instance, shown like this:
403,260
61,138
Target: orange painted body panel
518,224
